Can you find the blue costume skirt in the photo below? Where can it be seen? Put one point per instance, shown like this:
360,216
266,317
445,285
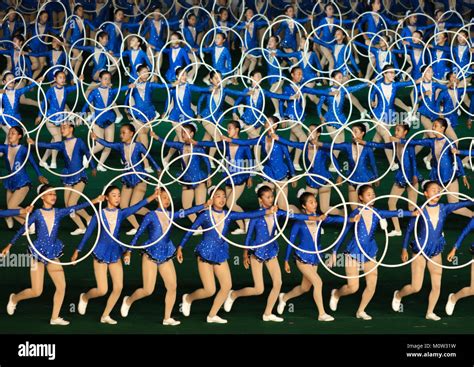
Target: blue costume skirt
266,252
51,252
307,258
16,182
75,179
108,253
213,253
356,253
429,250
160,252
401,181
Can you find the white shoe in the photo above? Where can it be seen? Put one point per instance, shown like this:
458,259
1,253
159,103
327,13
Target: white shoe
53,165
11,306
197,233
228,302
281,304
432,316
101,168
238,231
90,118
9,221
272,317
363,316
108,320
171,322
125,308
215,320
132,232
149,169
450,305
44,164
364,114
118,119
78,232
333,301
396,302
82,305
332,168
394,233
85,162
427,163
394,167
213,165
325,318
321,230
59,321
185,306
297,167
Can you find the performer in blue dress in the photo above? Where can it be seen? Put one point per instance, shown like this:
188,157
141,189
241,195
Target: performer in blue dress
100,58
40,29
442,157
108,252
47,244
144,111
74,151
18,184
342,54
263,230
56,59
52,109
196,168
361,251
317,162
276,159
289,29
76,31
383,97
362,165
132,154
177,56
158,256
406,174
212,254
335,101
21,65
11,100
104,118
431,243
136,57
307,261
221,57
